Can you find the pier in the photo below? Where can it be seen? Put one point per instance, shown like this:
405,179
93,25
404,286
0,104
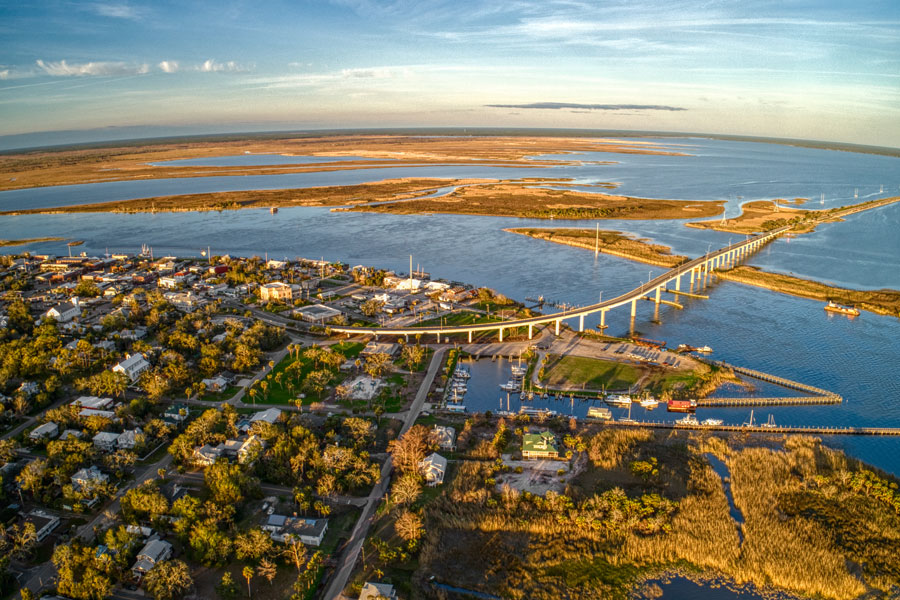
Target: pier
781,401
783,382
786,429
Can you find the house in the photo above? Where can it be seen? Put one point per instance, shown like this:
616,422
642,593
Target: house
433,468
185,302
445,437
275,291
29,388
92,402
94,412
177,413
87,478
106,441
215,384
130,438
317,313
43,523
71,433
539,445
47,431
308,531
270,415
242,448
206,455
132,366
64,312
375,591
153,553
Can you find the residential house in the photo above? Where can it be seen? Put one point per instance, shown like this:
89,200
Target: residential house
445,437
130,438
87,478
308,531
94,412
43,523
433,468
276,291
214,384
64,312
375,591
539,445
206,455
270,415
177,413
106,441
132,366
93,402
47,431
243,447
153,553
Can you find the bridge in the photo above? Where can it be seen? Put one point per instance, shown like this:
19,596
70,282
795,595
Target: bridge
694,269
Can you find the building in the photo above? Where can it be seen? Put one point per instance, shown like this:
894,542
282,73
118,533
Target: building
317,313
214,384
93,402
539,445
153,553
433,468
374,591
270,415
47,431
64,312
445,437
130,438
87,478
43,523
242,448
177,413
206,455
106,441
308,531
277,291
94,412
132,366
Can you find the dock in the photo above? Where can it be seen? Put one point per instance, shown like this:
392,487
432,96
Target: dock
688,294
782,401
785,429
783,382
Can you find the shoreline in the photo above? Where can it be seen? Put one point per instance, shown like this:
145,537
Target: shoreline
22,242
656,254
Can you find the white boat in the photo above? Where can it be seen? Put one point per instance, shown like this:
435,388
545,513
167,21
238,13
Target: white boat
704,349
711,422
599,412
510,386
537,411
618,400
687,420
457,408
649,403
462,373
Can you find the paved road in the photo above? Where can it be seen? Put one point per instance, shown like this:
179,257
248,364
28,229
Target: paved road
358,537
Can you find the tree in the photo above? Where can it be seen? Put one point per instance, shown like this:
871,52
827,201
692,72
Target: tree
248,575
267,569
227,483
377,364
226,589
409,450
406,489
295,552
409,526
371,307
362,431
253,545
169,580
105,383
316,381
412,356
77,575
210,545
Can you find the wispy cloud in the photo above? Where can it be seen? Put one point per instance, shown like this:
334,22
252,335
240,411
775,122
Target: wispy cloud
4,74
63,68
117,10
213,66
586,107
169,66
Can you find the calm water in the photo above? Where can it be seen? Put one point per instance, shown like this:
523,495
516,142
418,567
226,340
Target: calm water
779,334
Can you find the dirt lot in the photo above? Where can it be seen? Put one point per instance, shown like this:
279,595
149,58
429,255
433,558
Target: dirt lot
538,476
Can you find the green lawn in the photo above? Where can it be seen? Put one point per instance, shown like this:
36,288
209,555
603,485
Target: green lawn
281,394
220,396
592,373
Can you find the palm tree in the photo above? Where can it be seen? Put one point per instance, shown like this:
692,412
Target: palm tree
248,575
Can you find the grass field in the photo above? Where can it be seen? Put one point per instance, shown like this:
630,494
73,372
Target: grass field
221,395
575,371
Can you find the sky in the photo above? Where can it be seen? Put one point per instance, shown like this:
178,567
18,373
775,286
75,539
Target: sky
820,69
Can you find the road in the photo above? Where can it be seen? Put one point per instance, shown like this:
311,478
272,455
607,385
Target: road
354,545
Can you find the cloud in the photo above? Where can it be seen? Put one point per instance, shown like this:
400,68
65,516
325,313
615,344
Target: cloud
4,74
169,66
212,66
116,10
586,107
101,68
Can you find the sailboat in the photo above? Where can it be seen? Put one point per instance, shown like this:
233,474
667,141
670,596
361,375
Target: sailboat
855,193
822,201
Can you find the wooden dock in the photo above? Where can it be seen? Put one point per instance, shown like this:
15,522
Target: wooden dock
785,429
783,382
782,401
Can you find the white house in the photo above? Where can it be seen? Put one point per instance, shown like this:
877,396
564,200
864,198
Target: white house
43,432
433,468
106,441
130,438
371,591
308,531
43,523
445,437
92,402
64,312
153,553
88,477
214,384
132,366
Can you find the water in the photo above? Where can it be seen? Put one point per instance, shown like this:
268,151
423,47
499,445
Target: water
721,470
682,588
771,332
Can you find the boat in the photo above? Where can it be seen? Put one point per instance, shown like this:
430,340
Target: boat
704,349
844,310
687,420
273,210
510,386
457,408
649,403
519,371
599,412
770,424
618,400
537,412
461,373
681,406
711,422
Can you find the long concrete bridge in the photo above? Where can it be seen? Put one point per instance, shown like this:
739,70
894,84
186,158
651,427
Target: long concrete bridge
694,269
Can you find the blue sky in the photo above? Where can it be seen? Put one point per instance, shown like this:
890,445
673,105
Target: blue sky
826,70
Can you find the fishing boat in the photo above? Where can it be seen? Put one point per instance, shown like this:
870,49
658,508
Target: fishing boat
711,422
704,349
681,406
687,420
510,386
844,310
461,373
599,412
519,371
649,403
618,400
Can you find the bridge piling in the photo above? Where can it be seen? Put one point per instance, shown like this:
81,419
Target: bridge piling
557,326
677,283
633,309
470,336
581,320
501,334
530,331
